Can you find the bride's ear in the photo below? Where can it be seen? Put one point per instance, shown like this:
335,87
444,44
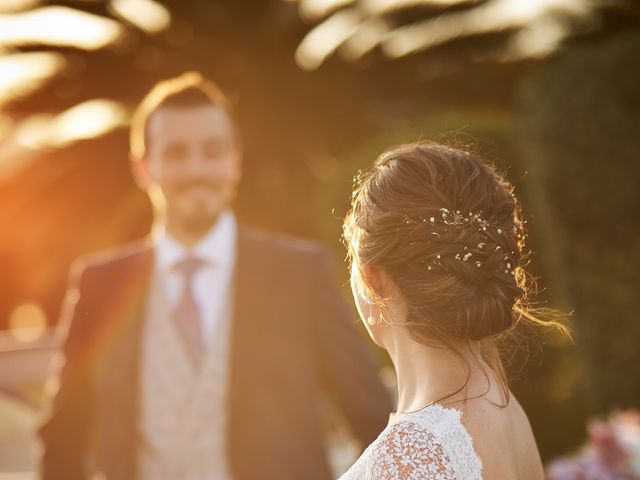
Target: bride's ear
378,281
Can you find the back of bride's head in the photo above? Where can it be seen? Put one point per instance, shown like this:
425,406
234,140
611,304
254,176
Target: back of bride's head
447,230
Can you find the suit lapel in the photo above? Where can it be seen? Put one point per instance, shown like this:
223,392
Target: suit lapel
244,280
118,384
246,307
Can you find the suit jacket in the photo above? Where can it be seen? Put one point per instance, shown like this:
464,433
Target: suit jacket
292,337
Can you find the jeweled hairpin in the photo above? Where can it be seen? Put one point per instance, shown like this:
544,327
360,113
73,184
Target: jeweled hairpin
456,218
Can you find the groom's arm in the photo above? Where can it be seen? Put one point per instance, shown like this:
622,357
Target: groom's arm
66,428
348,369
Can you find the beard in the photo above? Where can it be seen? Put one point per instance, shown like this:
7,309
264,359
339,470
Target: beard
196,206
199,184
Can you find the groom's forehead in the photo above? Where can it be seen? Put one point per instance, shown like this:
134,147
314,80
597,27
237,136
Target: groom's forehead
189,122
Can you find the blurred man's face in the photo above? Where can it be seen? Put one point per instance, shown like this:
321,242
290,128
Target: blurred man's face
193,159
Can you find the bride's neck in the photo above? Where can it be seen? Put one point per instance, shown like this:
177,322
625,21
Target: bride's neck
426,373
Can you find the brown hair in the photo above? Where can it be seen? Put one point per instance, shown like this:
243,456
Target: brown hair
448,231
190,89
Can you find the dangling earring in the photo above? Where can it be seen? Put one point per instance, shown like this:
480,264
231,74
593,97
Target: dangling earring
371,320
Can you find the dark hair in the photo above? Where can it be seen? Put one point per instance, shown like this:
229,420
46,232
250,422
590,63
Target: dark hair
190,89
448,231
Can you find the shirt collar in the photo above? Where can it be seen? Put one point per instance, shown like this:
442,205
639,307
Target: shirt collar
217,247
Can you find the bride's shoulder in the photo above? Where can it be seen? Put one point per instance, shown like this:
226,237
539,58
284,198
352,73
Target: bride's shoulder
431,443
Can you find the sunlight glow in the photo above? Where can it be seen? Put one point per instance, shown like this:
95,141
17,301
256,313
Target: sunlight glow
27,322
494,16
59,26
381,7
366,38
538,40
23,73
323,40
33,132
8,6
6,125
148,15
538,27
88,120
315,9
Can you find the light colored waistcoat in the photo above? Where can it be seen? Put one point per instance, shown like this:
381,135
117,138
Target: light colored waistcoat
183,411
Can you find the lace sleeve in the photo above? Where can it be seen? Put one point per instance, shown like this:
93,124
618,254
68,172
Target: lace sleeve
408,451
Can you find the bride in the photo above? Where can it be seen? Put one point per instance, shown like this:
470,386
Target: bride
436,243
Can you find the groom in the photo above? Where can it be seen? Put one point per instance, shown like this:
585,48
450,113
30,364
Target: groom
202,353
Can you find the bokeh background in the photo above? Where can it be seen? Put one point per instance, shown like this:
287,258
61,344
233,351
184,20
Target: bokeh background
549,90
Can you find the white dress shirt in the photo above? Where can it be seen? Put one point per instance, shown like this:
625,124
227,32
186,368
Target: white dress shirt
212,281
190,445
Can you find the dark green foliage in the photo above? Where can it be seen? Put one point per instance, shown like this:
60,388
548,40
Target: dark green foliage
580,134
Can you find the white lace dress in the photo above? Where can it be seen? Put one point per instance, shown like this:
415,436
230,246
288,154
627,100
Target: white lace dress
431,444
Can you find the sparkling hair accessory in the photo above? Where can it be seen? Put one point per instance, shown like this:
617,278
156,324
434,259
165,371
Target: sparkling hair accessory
491,239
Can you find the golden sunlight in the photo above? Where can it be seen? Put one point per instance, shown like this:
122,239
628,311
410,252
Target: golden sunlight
314,9
8,6
87,120
27,322
495,15
148,15
23,73
323,40
59,26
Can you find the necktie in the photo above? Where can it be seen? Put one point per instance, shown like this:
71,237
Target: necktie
187,316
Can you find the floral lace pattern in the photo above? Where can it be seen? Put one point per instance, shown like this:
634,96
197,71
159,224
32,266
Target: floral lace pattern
431,444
